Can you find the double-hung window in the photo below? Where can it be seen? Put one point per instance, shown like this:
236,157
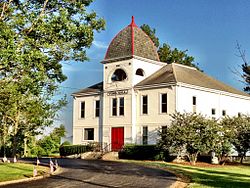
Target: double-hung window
118,106
114,107
121,106
145,135
89,134
194,104
97,108
164,104
144,104
82,110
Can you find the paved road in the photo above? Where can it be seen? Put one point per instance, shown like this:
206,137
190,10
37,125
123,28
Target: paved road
98,173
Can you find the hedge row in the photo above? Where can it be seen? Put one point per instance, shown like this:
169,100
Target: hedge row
142,152
74,149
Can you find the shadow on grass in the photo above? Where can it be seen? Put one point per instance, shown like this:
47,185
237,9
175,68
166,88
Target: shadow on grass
18,167
214,178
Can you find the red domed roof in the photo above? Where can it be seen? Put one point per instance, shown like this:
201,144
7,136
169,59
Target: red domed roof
129,42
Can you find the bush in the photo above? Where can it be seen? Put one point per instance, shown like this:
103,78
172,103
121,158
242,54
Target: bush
74,149
142,152
66,143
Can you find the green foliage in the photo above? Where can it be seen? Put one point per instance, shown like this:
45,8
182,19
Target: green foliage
14,171
66,150
238,131
245,67
51,143
190,133
141,152
35,38
151,33
166,53
66,143
246,76
208,176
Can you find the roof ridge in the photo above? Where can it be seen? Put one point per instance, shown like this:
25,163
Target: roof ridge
209,82
174,73
186,66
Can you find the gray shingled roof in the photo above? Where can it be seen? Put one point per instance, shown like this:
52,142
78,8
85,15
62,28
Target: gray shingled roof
129,42
175,73
92,89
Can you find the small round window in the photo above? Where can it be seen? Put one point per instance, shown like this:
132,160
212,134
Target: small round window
119,75
139,72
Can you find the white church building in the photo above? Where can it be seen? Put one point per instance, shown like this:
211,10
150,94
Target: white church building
138,94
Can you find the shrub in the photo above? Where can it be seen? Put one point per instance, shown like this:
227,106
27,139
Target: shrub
66,143
141,152
74,149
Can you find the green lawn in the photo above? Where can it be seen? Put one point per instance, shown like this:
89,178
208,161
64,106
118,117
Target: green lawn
219,176
13,171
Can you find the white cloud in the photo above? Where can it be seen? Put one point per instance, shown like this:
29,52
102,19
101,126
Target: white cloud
99,44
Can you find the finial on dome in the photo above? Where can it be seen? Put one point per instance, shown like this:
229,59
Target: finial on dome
133,22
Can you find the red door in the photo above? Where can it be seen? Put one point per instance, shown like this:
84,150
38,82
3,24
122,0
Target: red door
117,138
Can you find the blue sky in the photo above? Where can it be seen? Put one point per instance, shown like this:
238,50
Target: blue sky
208,29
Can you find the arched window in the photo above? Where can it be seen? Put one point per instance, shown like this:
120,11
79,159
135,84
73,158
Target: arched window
119,75
139,72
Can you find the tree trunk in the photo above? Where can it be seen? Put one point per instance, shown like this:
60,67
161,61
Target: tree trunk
193,158
242,157
4,137
15,135
25,147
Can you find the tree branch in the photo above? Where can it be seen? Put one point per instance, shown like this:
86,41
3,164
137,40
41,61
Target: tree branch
242,53
5,8
40,15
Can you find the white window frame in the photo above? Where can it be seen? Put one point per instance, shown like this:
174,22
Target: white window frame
83,133
143,135
95,107
142,105
117,106
111,109
214,111
161,103
80,110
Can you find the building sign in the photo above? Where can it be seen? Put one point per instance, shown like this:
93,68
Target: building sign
118,92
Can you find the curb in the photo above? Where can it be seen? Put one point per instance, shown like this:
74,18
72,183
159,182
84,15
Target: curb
57,171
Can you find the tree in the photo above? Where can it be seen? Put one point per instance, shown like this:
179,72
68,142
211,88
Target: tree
190,133
49,144
245,68
151,33
166,53
238,130
35,38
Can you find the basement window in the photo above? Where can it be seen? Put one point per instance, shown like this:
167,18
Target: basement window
213,111
89,134
224,113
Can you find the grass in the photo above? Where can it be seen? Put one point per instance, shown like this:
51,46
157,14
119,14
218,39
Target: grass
228,176
14,171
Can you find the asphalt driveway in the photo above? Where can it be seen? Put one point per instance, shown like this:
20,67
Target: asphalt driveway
99,173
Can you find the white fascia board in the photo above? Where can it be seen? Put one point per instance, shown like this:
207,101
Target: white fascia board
151,86
181,84
149,60
86,94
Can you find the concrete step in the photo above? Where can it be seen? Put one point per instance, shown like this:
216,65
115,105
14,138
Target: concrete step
110,156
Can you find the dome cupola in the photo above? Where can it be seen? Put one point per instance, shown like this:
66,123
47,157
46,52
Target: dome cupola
130,42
